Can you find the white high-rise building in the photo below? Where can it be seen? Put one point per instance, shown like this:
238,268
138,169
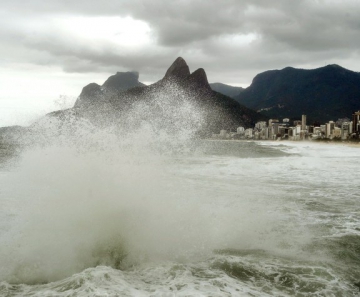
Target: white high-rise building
329,127
249,133
345,130
260,125
240,130
303,122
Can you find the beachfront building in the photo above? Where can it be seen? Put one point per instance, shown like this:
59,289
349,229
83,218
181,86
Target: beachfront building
329,128
346,130
296,123
356,122
303,122
283,131
260,125
317,133
295,132
240,130
249,133
264,133
261,131
336,133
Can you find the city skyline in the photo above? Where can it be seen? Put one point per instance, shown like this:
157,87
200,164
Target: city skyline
343,129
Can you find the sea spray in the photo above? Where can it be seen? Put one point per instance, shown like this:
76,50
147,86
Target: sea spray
109,194
94,195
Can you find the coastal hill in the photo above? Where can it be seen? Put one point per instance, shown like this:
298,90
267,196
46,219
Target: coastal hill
104,105
227,90
323,94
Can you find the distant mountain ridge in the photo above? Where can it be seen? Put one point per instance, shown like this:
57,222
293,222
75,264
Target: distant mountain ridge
227,90
323,94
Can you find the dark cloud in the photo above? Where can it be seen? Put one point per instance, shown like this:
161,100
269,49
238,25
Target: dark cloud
232,39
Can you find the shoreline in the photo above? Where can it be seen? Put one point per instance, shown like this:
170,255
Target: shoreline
337,143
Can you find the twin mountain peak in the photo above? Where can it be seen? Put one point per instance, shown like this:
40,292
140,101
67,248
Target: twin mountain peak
115,100
178,72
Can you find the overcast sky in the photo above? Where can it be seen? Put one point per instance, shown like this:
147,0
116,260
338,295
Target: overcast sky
50,49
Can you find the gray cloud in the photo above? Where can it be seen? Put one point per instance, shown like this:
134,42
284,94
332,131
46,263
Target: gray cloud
207,34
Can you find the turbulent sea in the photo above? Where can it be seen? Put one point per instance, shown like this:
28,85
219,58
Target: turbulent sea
215,218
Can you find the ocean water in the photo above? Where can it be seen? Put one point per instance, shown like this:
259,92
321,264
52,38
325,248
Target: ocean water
209,218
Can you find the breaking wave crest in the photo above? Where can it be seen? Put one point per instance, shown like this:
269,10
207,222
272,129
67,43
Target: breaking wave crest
101,195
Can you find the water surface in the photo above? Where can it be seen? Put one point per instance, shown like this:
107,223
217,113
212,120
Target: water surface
221,218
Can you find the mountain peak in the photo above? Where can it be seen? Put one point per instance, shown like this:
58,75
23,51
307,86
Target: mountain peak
334,66
198,79
178,70
134,74
122,81
89,94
